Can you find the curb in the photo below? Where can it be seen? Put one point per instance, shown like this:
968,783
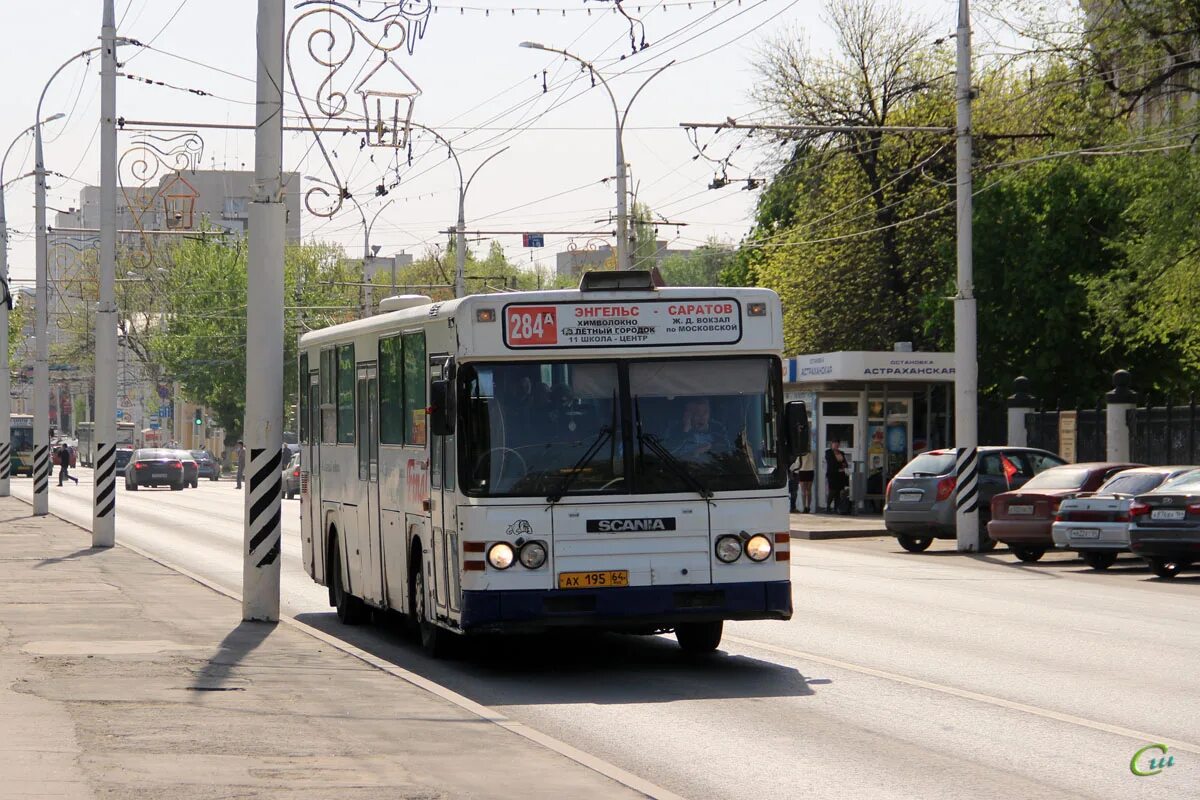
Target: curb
598,765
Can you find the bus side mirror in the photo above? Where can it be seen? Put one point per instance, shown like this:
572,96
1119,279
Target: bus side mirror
441,401
795,420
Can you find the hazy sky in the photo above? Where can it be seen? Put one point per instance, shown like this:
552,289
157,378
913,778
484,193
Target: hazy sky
478,88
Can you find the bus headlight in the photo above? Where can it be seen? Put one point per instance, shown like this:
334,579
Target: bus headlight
758,547
501,555
533,555
728,549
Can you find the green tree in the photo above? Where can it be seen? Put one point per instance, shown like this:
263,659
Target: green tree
701,267
202,340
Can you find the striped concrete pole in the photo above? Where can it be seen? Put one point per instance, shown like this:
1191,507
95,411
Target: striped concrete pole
264,329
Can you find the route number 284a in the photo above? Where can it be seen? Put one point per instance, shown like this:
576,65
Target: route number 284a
532,325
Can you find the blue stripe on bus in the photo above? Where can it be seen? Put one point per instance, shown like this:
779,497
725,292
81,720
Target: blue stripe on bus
633,605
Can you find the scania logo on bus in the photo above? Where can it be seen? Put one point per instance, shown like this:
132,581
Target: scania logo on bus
630,525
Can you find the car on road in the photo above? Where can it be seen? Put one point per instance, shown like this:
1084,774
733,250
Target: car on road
191,468
122,456
291,477
54,451
1165,528
1097,526
206,465
154,467
1022,519
919,500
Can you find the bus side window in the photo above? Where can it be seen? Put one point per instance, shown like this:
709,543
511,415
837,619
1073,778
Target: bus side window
391,391
415,388
345,394
328,410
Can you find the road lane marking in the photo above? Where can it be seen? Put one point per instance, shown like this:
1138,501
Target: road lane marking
966,694
584,759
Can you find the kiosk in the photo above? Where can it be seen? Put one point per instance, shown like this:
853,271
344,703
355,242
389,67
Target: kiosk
883,407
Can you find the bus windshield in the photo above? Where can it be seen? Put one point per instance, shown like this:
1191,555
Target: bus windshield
587,427
21,438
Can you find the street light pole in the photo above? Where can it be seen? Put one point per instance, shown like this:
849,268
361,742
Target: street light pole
368,256
623,261
6,298
104,416
460,239
264,329
966,366
41,369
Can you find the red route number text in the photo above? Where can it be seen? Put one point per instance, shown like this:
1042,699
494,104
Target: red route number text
532,325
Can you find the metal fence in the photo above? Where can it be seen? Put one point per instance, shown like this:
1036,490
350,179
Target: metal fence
1091,432
1164,435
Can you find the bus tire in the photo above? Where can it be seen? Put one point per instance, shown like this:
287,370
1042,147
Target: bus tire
350,609
434,640
698,638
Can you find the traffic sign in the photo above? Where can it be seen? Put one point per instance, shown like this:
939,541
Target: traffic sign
533,240
154,425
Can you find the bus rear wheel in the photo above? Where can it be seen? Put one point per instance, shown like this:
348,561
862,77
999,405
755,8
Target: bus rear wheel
699,637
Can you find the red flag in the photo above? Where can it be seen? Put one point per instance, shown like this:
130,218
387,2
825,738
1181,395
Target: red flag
1010,469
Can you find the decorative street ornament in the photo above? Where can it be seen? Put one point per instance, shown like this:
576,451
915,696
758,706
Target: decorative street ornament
332,33
141,170
388,111
179,202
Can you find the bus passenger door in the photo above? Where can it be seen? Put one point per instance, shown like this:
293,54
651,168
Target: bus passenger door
370,586
310,484
443,512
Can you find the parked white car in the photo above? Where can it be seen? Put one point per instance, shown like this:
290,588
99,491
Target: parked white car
1097,526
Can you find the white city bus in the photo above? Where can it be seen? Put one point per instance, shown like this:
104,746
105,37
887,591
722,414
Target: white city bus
612,456
85,434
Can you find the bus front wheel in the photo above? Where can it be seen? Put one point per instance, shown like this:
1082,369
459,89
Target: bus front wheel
699,637
350,609
434,640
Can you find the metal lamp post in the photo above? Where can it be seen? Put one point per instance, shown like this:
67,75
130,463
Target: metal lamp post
460,230
621,118
6,298
41,370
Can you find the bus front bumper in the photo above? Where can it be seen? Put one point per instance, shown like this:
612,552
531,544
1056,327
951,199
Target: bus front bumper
638,607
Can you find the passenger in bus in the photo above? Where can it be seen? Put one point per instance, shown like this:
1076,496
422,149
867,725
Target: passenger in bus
699,434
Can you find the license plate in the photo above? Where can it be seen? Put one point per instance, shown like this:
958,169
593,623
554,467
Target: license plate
1020,510
158,475
1084,533
909,497
1168,513
593,580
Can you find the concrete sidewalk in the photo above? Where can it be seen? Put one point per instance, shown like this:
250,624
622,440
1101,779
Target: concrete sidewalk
121,678
836,526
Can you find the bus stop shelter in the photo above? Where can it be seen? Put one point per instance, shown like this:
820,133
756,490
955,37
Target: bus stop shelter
883,407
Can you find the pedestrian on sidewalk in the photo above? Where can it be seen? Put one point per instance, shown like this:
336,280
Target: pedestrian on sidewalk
240,456
836,478
805,478
64,464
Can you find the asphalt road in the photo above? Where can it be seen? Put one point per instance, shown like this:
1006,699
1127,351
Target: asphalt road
900,676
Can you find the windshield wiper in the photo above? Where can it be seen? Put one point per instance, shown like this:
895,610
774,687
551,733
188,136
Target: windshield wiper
672,461
603,436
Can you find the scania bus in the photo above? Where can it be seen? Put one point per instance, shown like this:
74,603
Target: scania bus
613,457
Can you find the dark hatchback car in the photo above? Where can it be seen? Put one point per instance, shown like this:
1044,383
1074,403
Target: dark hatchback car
1165,528
920,499
154,467
1024,519
206,465
191,468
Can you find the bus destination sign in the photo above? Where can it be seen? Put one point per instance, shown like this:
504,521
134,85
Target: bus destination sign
653,323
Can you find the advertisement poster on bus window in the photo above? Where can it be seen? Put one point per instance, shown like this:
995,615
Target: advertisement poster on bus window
650,323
